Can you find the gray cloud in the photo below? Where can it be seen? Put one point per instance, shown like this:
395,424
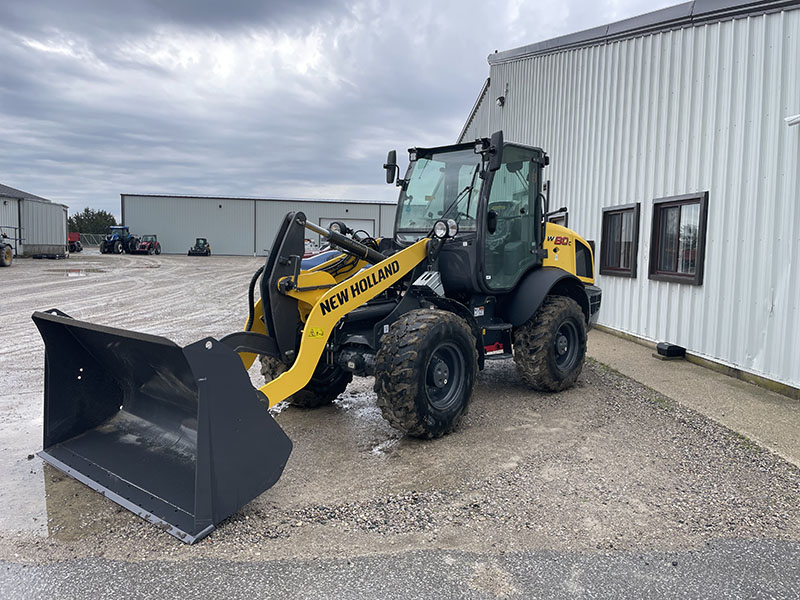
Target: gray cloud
246,98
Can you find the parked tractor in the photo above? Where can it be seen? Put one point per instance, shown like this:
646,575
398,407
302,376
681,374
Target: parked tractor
74,242
473,272
119,239
6,251
201,248
149,244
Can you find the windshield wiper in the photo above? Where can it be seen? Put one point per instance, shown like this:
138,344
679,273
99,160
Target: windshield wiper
455,202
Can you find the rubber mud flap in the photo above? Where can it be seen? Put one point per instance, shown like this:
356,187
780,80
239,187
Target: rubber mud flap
176,435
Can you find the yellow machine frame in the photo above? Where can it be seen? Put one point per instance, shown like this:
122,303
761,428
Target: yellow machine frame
326,307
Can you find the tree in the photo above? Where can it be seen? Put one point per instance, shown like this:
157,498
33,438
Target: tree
91,221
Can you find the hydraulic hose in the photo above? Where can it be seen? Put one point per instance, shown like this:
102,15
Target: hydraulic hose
251,302
350,245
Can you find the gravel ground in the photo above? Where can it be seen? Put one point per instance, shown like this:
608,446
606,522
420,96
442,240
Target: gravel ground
607,469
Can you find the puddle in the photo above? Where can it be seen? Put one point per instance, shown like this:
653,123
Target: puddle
385,448
76,272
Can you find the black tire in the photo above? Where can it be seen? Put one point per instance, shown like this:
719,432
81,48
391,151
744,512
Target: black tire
6,256
150,249
103,248
424,372
117,247
158,248
327,383
549,349
208,252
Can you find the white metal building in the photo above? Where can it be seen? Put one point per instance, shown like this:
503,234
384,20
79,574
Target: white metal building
242,226
36,225
671,143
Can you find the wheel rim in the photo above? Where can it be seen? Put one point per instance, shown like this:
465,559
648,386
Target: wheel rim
567,346
444,376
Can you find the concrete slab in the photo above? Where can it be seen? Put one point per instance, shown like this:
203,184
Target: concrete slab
765,417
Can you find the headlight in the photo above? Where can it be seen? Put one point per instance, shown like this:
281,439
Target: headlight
335,227
452,228
440,229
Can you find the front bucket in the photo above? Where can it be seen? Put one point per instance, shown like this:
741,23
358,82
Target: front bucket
176,435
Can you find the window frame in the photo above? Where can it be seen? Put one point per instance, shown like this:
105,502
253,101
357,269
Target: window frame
635,208
659,204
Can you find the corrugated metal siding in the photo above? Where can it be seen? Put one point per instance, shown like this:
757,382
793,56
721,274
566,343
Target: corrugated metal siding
9,214
237,226
44,227
227,224
388,212
270,214
480,112
673,113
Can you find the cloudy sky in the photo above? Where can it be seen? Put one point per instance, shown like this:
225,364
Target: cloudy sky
281,98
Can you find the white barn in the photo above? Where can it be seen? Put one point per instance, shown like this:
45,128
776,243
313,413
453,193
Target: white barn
674,144
34,225
242,226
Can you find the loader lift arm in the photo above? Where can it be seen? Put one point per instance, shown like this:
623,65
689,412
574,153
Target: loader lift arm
326,299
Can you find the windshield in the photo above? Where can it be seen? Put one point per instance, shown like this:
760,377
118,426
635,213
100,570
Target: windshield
445,182
148,238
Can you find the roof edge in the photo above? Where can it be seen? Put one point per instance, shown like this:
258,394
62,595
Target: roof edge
672,17
259,198
472,113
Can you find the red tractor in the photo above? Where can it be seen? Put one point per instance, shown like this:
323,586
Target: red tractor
74,241
148,245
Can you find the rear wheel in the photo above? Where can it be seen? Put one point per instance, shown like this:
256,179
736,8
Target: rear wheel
6,256
327,383
158,248
549,349
424,372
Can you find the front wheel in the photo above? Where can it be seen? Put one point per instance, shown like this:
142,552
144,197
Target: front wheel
158,249
424,372
6,256
150,249
327,383
117,247
549,349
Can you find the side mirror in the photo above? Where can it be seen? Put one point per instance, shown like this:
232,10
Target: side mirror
496,151
491,221
391,166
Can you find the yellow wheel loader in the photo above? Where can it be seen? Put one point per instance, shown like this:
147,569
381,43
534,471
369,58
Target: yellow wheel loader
474,272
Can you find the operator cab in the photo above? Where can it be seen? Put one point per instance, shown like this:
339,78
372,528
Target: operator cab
493,191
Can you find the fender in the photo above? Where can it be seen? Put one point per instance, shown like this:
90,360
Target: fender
524,301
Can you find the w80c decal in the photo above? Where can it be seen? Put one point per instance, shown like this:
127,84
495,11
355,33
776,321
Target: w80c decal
559,240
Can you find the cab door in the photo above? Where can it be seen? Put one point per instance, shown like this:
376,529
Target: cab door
513,247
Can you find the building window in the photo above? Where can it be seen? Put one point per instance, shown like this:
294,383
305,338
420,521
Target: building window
678,240
620,241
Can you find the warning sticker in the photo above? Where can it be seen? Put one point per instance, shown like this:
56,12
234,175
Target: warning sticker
316,332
